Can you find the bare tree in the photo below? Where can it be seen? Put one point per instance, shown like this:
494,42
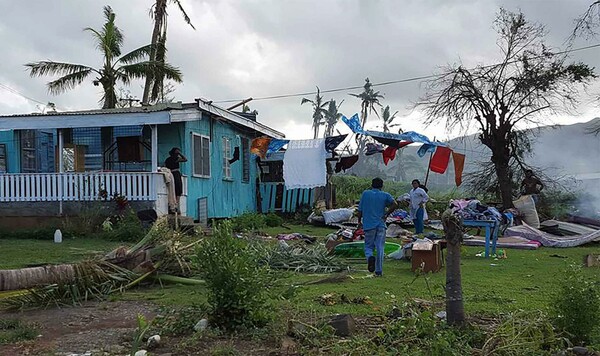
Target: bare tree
587,24
530,81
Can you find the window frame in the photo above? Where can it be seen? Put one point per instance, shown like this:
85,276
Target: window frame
245,153
4,157
202,137
226,145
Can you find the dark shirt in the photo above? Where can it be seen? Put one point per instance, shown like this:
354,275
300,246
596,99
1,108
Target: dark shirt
531,185
172,162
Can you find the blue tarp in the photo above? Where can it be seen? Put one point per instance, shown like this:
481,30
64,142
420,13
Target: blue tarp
354,125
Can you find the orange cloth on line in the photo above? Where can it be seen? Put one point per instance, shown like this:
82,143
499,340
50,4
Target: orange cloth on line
440,159
260,146
459,164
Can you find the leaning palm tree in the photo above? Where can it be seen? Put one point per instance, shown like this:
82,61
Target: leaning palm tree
369,99
332,117
319,111
116,68
388,119
153,88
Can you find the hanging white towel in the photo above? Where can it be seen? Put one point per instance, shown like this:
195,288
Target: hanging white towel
304,164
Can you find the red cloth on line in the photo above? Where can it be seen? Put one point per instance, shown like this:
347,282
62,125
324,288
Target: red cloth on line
404,143
389,154
459,165
440,159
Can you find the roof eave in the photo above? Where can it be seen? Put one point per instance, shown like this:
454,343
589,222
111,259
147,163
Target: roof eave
228,115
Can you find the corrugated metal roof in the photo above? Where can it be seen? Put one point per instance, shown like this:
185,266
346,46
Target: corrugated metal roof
134,109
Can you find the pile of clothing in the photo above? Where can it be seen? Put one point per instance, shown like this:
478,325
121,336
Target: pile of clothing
401,217
472,209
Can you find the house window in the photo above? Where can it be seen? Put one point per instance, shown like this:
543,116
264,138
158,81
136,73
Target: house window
226,144
3,165
28,151
245,160
201,152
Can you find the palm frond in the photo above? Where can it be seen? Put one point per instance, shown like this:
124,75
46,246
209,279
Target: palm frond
110,39
136,55
140,70
185,15
304,101
299,258
68,81
41,68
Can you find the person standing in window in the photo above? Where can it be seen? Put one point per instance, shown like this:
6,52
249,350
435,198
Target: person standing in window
172,162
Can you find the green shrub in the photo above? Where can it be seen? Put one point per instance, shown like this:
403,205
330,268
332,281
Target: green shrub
235,280
124,228
249,222
273,220
576,307
46,233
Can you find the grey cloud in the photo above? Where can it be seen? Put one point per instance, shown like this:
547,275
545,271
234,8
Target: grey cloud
258,48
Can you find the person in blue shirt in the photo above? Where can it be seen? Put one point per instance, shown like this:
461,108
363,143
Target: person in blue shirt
374,207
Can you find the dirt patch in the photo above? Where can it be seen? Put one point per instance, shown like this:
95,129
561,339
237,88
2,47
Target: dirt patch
100,327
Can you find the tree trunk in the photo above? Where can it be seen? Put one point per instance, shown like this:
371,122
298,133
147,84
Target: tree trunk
455,312
159,13
501,165
24,278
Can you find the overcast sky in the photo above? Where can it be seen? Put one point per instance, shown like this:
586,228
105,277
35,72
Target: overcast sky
260,48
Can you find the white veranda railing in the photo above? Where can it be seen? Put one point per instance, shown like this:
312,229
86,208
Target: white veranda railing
77,186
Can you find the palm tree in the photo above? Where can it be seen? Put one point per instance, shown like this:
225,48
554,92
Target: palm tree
154,81
332,116
369,98
388,119
319,111
116,68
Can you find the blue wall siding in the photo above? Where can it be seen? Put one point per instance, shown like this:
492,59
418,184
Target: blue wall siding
226,197
9,138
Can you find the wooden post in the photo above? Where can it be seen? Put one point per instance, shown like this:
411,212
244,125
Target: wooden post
428,164
61,169
453,229
154,148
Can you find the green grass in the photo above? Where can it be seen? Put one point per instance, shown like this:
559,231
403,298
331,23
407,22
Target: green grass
23,253
13,330
526,280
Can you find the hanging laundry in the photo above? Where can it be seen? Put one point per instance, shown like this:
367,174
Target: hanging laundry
389,154
304,164
459,165
373,148
426,148
440,159
332,142
276,144
392,142
236,155
260,146
346,163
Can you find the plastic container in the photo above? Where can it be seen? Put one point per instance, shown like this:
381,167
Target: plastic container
57,236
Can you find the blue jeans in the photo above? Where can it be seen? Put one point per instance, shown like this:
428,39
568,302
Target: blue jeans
375,239
418,221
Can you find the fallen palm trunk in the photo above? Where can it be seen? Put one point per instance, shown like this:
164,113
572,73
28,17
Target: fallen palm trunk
24,278
160,250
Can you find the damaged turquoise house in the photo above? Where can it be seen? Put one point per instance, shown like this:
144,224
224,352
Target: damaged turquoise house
53,164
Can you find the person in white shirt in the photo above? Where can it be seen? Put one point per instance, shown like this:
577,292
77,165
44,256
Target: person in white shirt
418,198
